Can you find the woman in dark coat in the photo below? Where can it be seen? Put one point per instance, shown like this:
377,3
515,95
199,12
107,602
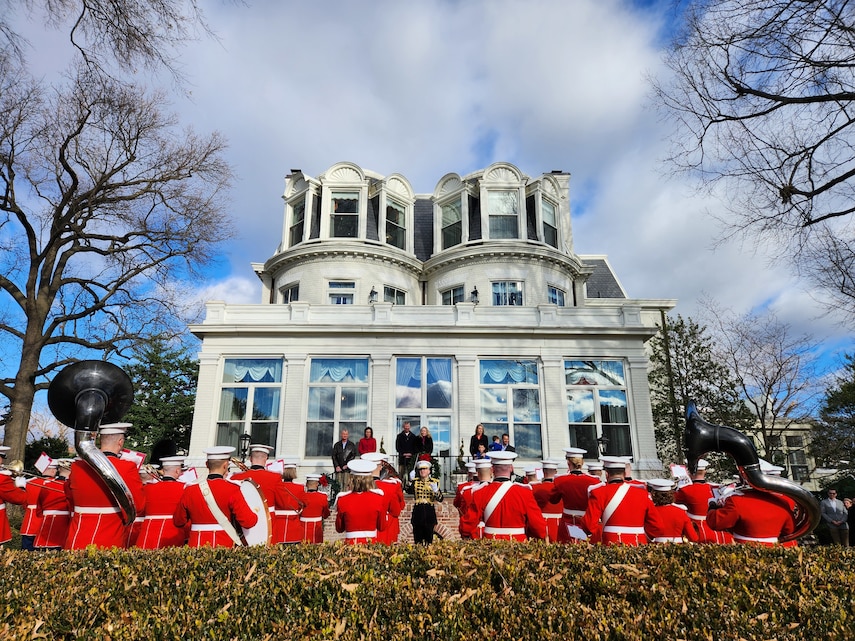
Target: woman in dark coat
478,438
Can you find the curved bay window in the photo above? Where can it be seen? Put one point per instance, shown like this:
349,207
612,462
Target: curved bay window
338,400
510,402
597,409
249,401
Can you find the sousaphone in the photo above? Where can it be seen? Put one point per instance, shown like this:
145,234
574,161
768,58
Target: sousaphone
701,437
82,396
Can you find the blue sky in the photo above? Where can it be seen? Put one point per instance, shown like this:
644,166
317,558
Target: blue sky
430,87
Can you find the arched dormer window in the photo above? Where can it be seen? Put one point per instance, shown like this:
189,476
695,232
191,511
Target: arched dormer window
451,213
502,202
299,196
395,199
547,204
344,202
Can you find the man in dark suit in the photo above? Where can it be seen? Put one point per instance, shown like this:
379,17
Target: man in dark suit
343,451
506,443
407,445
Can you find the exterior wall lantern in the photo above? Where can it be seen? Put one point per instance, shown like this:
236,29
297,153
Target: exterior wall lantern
372,296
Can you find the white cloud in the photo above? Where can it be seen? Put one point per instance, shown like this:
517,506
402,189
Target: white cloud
437,86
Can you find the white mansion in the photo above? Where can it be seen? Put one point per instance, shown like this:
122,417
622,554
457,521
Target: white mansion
463,306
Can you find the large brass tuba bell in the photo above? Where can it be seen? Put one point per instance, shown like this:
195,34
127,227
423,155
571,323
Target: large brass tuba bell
82,396
701,437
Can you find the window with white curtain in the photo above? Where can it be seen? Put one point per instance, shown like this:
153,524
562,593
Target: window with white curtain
510,402
424,396
341,292
249,401
338,399
597,407
344,217
503,213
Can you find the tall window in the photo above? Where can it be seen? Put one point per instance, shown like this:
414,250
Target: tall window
452,223
298,217
396,224
395,296
423,391
341,292
453,295
550,225
344,217
507,293
290,293
503,213
597,410
510,402
249,401
556,296
338,399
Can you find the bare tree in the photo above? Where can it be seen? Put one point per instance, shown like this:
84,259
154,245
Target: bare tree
776,371
111,35
764,93
105,208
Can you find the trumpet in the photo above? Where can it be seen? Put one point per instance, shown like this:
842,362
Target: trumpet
16,469
243,467
152,471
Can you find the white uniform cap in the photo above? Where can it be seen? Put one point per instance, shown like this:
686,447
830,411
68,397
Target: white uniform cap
421,465
549,465
470,465
4,449
502,457
530,469
374,456
595,466
482,463
572,452
114,428
219,452
660,485
703,464
172,460
64,462
613,462
258,447
313,477
360,467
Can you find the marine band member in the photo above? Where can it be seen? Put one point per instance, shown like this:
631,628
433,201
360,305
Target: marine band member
96,518
210,505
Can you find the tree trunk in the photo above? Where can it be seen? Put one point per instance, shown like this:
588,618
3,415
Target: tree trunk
21,406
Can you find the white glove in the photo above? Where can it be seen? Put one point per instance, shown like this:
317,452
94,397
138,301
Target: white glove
434,487
20,481
412,474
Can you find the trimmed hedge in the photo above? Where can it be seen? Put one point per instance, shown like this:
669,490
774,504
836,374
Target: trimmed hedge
450,590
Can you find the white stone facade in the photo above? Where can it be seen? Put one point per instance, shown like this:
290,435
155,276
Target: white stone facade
552,351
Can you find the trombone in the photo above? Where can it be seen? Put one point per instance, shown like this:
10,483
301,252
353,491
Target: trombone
16,469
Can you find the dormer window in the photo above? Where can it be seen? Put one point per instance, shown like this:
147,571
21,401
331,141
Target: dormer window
550,224
452,223
298,218
503,212
344,214
396,224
